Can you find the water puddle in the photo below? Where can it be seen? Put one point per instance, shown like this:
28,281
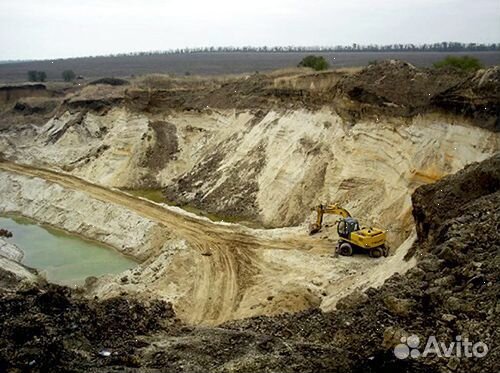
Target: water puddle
61,257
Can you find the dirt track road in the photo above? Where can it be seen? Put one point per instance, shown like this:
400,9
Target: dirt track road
220,276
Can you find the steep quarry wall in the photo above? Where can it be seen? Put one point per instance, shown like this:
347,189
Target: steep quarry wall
276,169
266,167
10,94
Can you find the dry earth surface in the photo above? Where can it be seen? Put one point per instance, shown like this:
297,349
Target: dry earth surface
209,184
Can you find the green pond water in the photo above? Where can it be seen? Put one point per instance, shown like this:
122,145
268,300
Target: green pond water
61,257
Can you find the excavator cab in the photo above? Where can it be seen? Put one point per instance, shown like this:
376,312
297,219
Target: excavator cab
346,226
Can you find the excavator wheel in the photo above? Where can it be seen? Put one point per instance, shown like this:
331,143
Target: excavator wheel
345,249
376,252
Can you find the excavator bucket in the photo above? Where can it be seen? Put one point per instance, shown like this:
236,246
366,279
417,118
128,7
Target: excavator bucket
314,228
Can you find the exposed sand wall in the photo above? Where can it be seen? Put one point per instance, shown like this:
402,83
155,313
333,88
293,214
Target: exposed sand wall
76,212
267,167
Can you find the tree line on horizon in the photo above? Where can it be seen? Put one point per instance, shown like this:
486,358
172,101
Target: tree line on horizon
41,76
434,47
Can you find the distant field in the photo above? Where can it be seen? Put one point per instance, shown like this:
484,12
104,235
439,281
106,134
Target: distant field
213,63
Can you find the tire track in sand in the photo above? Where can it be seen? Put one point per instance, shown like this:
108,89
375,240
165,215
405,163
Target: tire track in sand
221,277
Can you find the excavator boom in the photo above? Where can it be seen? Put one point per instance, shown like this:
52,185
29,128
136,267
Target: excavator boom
326,209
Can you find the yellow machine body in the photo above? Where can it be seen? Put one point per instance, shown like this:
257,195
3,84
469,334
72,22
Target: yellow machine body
367,238
350,234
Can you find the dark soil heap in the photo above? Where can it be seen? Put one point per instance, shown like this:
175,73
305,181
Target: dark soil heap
453,291
398,85
478,98
49,329
5,233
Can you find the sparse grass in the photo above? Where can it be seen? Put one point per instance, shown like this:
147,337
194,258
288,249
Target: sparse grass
349,70
158,81
156,195
61,85
286,72
170,82
464,63
92,92
211,216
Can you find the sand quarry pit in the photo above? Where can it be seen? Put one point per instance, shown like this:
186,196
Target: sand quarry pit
280,146
211,272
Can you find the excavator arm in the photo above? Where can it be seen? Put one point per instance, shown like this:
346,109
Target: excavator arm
326,209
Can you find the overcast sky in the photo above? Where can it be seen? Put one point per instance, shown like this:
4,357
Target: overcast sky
36,29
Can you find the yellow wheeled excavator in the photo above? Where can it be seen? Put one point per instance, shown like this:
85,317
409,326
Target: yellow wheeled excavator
351,236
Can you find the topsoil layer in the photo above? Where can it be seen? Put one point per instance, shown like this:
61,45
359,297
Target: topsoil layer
389,88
